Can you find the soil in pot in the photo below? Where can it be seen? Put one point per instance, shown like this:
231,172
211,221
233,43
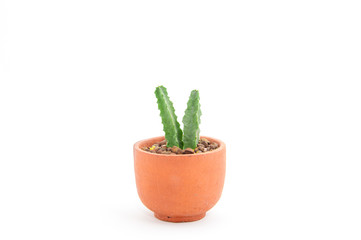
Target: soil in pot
204,145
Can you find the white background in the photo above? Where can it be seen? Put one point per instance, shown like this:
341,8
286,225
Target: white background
279,83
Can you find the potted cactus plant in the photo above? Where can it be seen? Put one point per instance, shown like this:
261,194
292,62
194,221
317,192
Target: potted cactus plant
179,176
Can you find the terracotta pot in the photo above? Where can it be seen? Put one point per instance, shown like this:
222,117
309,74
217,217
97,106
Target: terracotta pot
179,188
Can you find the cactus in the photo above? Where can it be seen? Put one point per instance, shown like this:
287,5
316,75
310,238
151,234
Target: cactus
191,121
171,127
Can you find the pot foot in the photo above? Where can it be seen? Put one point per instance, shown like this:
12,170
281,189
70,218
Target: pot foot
179,218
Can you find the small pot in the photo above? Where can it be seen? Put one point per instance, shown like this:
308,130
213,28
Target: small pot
179,188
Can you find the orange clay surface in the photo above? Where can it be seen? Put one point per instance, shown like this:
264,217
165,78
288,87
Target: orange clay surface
179,188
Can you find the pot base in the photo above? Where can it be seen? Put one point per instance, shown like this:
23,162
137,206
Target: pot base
179,218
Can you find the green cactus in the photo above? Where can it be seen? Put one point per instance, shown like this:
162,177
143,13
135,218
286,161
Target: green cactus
171,127
191,121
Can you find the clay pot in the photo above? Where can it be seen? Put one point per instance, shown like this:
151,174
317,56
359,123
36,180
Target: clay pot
179,188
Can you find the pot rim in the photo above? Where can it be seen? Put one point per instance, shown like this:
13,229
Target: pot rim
221,147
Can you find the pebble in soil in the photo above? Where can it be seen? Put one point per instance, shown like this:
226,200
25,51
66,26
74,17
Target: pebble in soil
204,145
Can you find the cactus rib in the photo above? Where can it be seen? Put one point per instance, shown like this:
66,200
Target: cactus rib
171,127
191,121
